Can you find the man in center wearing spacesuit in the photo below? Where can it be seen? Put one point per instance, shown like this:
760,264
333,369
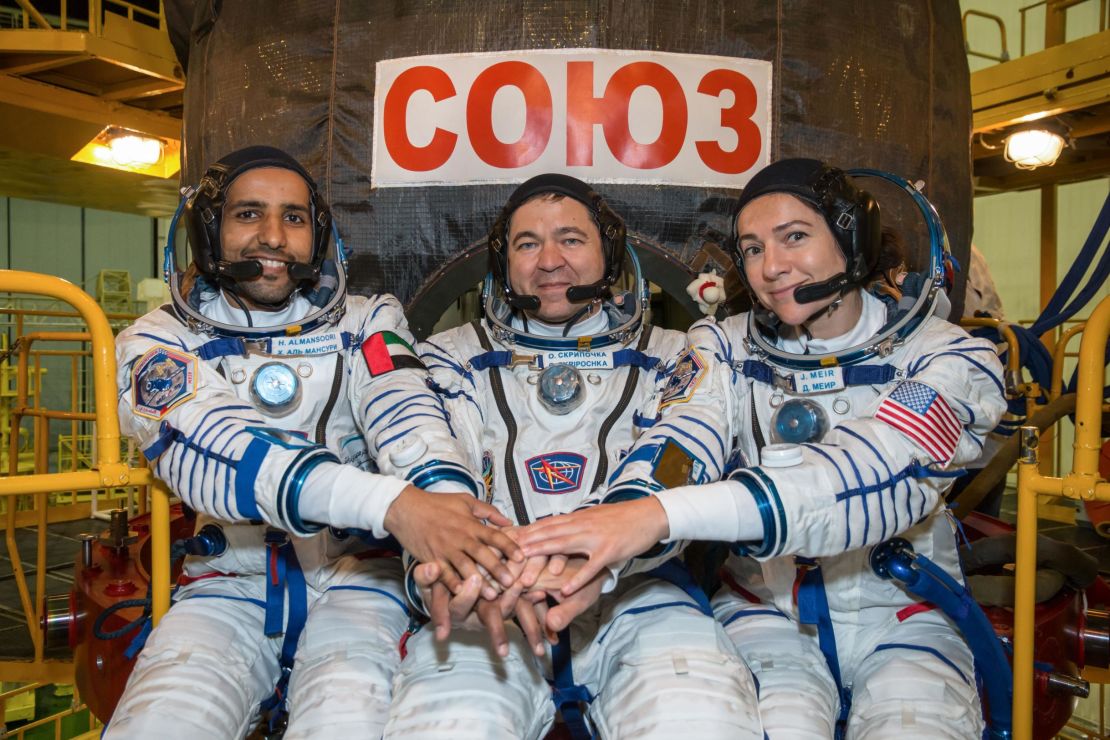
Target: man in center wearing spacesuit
548,391
263,394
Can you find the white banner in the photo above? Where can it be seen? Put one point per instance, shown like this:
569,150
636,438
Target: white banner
605,116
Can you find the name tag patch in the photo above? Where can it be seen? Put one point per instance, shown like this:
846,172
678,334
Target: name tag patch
822,380
577,359
309,344
162,379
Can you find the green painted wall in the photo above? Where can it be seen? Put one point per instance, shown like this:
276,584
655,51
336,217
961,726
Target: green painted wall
74,244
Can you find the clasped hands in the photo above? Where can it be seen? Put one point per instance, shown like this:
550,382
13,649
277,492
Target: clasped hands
565,566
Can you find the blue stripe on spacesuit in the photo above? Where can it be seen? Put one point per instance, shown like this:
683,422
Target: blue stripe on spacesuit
777,501
289,492
246,472
233,436
408,430
866,502
890,474
744,613
711,430
641,453
441,359
373,314
456,394
186,445
848,504
418,402
647,608
376,399
434,362
202,453
427,401
970,414
472,402
414,409
434,471
924,649
162,340
369,589
910,471
924,362
882,501
722,342
257,602
774,535
217,429
971,340
865,488
227,487
660,427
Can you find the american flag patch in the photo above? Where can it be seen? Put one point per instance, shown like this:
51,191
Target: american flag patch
924,416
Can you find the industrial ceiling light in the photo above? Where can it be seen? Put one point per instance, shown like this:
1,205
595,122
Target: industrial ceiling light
132,151
1036,144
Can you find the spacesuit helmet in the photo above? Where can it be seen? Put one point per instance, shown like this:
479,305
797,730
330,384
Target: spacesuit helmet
853,216
322,280
625,310
851,213
609,224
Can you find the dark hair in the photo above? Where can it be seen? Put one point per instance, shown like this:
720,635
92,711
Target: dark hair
890,265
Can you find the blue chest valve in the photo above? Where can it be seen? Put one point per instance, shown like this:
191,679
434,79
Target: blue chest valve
798,421
896,559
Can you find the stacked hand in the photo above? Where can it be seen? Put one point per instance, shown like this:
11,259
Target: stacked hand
470,609
449,530
566,563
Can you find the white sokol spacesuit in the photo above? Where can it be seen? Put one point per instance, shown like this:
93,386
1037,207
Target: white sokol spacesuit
241,417
548,416
825,460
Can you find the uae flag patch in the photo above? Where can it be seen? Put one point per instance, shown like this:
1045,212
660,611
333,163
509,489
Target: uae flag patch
386,352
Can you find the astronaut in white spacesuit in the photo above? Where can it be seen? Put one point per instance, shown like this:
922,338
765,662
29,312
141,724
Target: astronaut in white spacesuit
263,395
547,391
831,419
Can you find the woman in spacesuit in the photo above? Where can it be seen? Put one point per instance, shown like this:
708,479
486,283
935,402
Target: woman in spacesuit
806,432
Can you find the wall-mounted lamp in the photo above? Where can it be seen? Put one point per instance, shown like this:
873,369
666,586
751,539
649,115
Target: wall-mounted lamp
1036,144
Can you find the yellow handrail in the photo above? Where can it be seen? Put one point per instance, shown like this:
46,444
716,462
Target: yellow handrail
1004,55
1082,482
1058,354
1013,356
109,470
